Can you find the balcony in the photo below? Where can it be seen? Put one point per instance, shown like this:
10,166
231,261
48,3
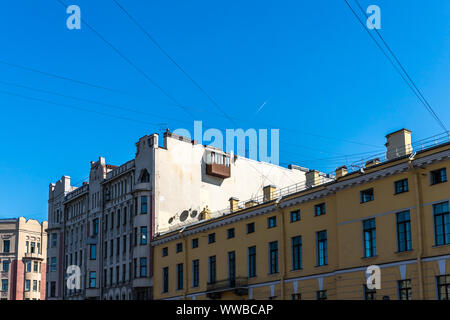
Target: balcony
218,170
33,255
239,286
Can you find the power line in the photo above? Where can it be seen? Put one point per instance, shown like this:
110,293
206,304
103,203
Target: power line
176,105
414,88
76,108
427,105
152,39
60,77
91,101
132,64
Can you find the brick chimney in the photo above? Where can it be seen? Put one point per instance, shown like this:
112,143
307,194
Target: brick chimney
341,171
312,178
398,144
234,204
269,192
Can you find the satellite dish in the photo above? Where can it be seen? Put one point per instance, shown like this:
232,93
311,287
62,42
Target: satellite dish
184,215
194,213
170,220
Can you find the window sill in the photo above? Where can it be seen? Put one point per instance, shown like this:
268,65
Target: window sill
441,245
400,192
322,265
368,258
404,252
440,182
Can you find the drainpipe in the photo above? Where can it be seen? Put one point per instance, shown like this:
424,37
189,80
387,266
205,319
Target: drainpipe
419,225
185,277
283,247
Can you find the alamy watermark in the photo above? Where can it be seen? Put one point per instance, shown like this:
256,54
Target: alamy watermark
251,143
74,20
373,274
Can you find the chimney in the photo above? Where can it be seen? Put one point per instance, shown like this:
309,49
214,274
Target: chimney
269,192
341,171
372,162
398,144
234,204
251,203
206,213
312,178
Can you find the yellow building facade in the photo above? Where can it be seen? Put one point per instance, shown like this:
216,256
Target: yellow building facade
315,241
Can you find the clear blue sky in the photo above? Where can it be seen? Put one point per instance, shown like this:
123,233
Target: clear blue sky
310,61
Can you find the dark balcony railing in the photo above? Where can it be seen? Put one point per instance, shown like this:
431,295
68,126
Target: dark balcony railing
238,285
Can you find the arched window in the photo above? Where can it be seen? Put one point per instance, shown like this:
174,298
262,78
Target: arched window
144,176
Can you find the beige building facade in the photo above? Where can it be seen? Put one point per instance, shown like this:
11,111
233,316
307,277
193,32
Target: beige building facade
23,250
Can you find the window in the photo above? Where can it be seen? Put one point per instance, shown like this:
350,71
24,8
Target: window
118,219
438,176
321,295
27,285
230,233
441,223
195,273
93,251
112,220
35,285
271,222
4,284
124,216
124,272
179,247
319,209
212,269
144,204
369,234
5,265
135,236
28,266
179,276
35,266
195,243
366,195
143,235
251,227
33,247
296,296
54,238
369,294
165,285
252,262
211,238
404,289
124,244
443,287
143,267
6,246
135,268
165,251
322,251
232,268
401,186
404,241
111,247
95,226
92,279
296,244
118,245
53,264
52,288
273,257
295,216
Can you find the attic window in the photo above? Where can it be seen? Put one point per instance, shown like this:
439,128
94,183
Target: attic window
144,177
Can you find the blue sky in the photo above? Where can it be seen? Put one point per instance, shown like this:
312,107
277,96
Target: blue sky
310,62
